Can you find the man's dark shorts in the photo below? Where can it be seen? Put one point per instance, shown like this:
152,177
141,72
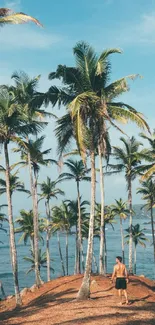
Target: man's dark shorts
121,284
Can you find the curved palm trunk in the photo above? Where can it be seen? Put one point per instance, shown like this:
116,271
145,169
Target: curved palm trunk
48,241
35,220
130,225
84,292
60,253
122,238
152,226
135,259
102,269
13,251
79,231
67,252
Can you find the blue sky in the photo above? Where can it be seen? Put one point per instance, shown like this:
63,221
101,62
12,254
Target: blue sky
129,25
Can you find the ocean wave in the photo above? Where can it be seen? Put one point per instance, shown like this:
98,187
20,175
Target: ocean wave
5,275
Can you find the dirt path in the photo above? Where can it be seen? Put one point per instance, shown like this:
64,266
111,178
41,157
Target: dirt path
54,304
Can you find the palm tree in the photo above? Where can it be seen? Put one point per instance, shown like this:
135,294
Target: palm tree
85,234
15,185
120,209
33,157
109,217
26,91
12,124
2,218
138,237
42,261
84,93
147,190
148,170
73,205
49,191
77,172
26,227
63,221
7,16
129,158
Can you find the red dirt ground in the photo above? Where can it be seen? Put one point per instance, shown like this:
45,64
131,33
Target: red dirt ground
54,304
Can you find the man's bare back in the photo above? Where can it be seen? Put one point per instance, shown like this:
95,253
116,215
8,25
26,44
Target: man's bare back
120,271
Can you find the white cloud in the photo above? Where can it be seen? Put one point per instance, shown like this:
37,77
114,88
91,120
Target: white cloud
142,32
26,37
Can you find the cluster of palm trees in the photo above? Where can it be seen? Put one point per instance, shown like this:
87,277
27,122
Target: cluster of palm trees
92,110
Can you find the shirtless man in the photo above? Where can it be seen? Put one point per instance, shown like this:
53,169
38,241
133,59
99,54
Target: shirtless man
121,275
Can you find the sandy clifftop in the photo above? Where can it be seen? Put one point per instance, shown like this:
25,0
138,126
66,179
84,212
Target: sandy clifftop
54,304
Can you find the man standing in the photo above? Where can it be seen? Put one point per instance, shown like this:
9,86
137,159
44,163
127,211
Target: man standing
121,275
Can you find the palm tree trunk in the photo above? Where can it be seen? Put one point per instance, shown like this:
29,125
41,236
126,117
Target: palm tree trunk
67,252
60,253
79,230
35,220
95,264
130,240
152,226
102,232
48,241
82,258
13,251
76,252
105,253
122,237
135,259
36,232
84,292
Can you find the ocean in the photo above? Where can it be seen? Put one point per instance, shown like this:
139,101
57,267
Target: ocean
145,265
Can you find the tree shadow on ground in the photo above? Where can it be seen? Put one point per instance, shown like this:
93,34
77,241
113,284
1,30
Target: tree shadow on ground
119,313
35,306
134,282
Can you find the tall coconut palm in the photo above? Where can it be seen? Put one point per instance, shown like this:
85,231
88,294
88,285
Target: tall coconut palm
85,234
84,93
2,219
33,157
63,221
148,169
138,237
15,185
7,16
25,89
129,158
120,209
109,219
26,227
147,190
78,173
42,261
74,207
12,125
49,190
